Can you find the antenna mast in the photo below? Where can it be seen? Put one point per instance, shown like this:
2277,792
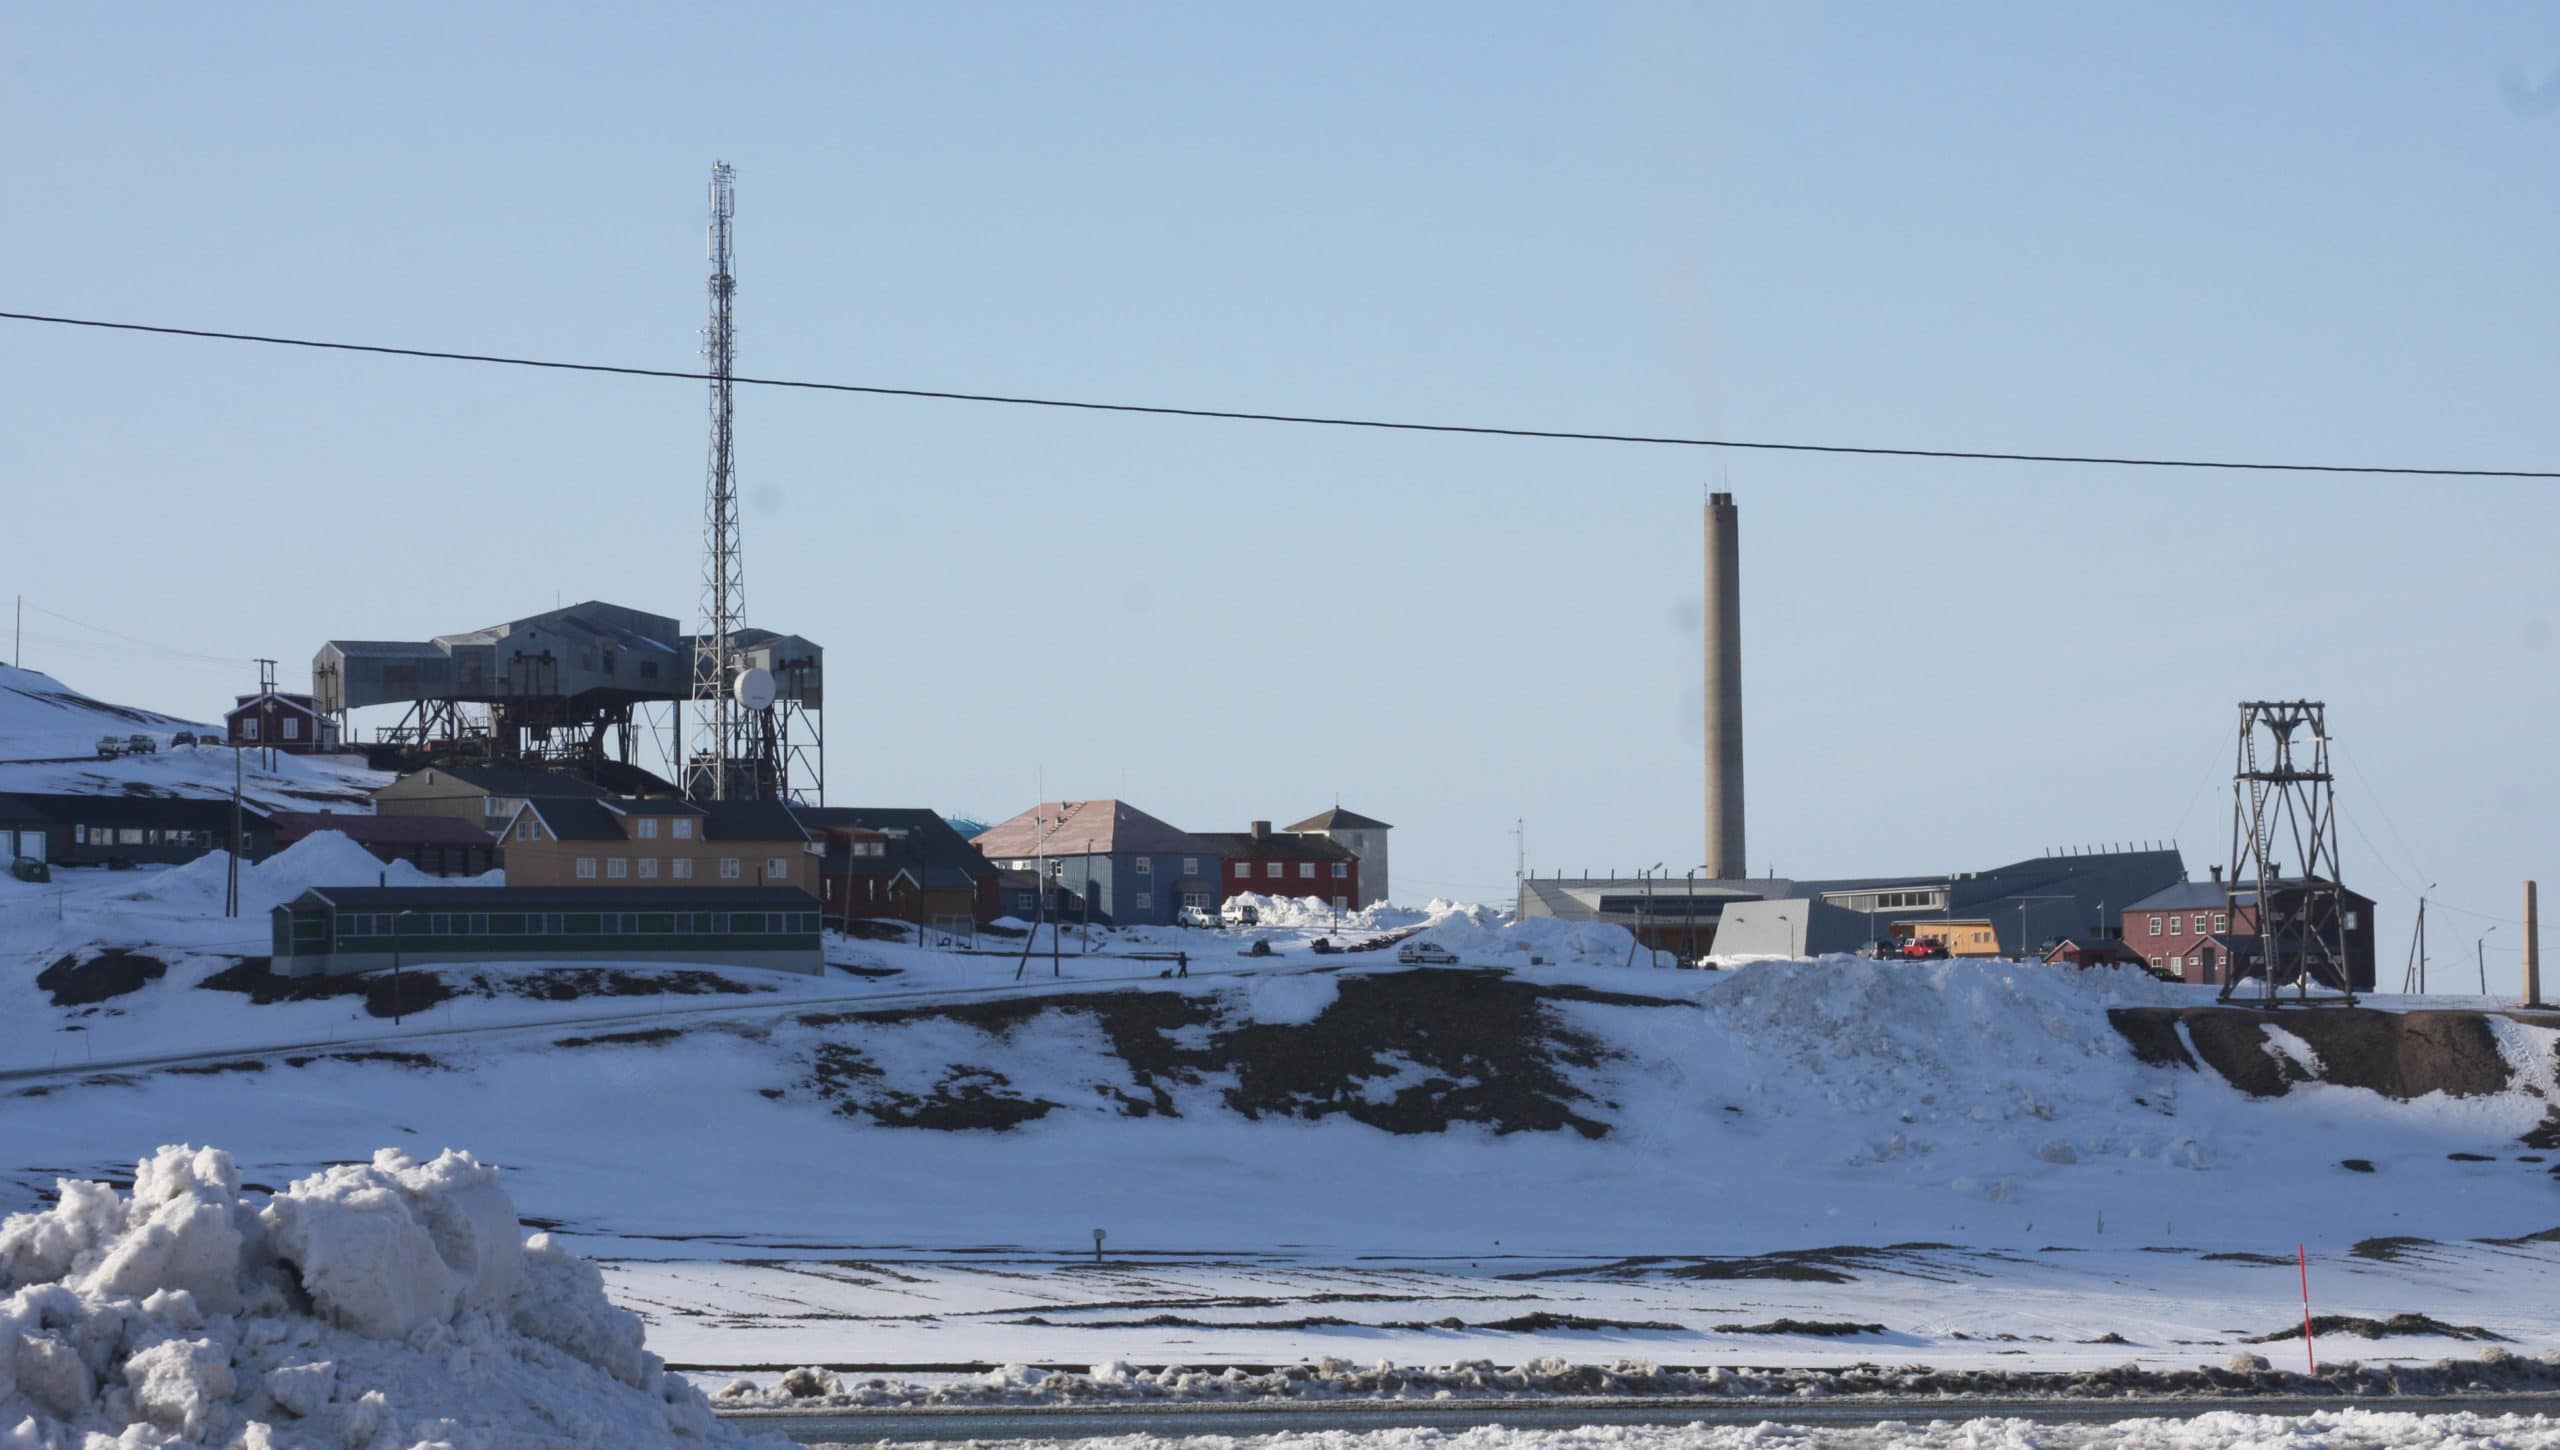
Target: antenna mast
720,723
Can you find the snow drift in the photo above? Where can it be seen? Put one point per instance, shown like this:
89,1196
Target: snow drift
386,1304
326,858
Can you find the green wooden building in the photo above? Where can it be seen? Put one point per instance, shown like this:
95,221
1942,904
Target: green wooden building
337,930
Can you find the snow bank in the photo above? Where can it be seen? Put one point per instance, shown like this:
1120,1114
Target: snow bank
326,858
1484,934
384,1305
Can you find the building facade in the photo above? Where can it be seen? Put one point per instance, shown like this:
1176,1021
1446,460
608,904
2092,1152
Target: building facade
488,796
124,830
292,724
2203,933
1363,836
1264,862
1115,864
905,864
337,930
658,844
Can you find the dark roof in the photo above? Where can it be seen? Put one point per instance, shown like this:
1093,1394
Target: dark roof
599,820
1278,846
928,838
192,813
248,703
384,830
1339,819
517,780
654,806
556,898
1103,827
2193,895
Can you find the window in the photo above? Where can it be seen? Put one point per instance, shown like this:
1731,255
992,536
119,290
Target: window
2351,921
646,828
1190,865
2155,961
1272,871
684,868
648,868
1146,900
1341,871
778,868
491,806
1146,865
1306,870
728,868
586,868
292,728
2199,923
2222,921
1244,869
130,836
684,828
2155,931
2194,960
617,868
249,727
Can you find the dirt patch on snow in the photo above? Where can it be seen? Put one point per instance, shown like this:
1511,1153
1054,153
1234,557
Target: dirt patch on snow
103,976
2401,1055
2398,1324
1821,1328
392,994
1838,1264
1406,1052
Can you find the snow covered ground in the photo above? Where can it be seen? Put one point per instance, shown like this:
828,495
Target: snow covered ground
48,745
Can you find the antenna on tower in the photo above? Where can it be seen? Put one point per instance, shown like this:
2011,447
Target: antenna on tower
721,724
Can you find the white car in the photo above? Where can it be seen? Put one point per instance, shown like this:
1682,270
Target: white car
1423,953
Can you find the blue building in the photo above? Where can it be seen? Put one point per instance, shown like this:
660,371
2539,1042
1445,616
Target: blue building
1108,860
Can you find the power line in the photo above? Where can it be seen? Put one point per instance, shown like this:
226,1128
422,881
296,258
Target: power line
152,644
1313,420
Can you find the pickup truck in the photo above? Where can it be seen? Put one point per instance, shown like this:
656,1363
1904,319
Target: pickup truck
110,746
139,744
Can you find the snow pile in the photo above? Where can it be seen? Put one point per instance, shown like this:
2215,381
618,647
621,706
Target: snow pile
1956,1045
326,858
385,1305
1488,935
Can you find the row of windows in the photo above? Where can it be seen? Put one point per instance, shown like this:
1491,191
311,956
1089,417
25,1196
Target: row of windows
413,924
1274,870
289,728
2221,922
680,828
622,868
138,836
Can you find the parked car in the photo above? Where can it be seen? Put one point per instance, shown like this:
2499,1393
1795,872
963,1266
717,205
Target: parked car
184,737
1423,953
110,746
1196,916
1239,914
141,744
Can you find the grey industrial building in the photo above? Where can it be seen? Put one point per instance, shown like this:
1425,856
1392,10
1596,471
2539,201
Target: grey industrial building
576,688
2003,911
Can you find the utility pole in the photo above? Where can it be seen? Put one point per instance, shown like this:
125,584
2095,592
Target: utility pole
18,637
231,883
720,723
267,712
2480,959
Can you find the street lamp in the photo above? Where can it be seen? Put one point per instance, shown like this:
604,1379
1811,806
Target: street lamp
2479,955
2023,903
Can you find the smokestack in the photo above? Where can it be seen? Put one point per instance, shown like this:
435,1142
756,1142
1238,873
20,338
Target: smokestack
1725,859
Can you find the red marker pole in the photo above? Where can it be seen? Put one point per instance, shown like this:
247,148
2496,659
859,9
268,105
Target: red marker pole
2302,1257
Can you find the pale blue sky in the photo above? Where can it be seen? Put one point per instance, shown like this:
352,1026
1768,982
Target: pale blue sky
2299,231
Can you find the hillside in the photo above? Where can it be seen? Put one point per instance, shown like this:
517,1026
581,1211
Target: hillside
40,716
48,744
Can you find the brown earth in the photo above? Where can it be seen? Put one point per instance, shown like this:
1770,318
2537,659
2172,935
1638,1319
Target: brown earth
2400,1055
1475,1048
101,977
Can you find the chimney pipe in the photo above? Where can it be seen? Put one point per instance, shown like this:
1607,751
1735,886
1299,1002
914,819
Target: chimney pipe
1261,830
2532,949
1725,859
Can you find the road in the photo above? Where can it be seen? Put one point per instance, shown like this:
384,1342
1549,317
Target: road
1068,1423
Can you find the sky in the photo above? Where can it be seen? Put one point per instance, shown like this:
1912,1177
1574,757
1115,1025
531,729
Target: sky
2285,233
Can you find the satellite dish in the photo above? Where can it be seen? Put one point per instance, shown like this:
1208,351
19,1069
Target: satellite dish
755,689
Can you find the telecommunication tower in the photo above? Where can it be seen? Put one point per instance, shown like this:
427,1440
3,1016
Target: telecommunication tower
2286,798
715,766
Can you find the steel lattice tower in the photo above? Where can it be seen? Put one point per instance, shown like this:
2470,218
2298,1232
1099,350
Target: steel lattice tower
2278,800
715,767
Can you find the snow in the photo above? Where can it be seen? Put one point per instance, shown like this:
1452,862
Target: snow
2220,1430
41,716
388,1303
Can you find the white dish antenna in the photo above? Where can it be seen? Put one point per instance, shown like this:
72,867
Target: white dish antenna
754,689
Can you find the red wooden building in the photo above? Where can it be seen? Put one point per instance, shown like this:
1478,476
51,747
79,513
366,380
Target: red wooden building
289,723
1265,862
2198,930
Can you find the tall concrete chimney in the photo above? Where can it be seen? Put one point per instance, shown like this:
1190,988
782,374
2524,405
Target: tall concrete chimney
1724,690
